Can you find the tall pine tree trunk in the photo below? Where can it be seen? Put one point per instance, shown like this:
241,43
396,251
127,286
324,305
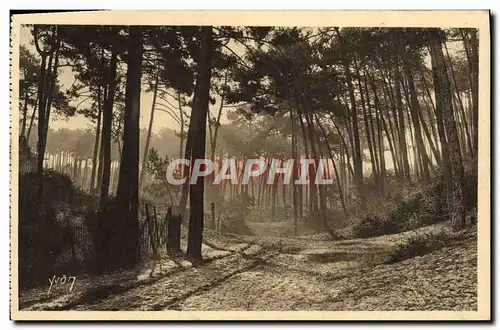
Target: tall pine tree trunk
199,112
107,120
442,89
128,182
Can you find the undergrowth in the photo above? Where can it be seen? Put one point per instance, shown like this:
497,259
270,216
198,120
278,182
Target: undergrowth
423,244
426,205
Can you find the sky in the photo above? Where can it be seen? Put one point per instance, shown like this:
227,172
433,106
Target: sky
161,119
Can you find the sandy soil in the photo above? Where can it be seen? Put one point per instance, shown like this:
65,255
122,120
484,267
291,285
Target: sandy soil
270,273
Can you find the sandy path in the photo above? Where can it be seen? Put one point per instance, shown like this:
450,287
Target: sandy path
269,273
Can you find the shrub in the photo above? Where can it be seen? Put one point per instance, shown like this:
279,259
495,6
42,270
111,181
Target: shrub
236,212
42,236
422,244
115,238
370,225
427,205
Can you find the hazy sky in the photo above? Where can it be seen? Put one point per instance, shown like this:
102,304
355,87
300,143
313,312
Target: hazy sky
161,119
66,78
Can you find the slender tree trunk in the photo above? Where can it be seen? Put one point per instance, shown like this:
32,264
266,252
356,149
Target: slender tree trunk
357,159
459,100
41,116
217,122
107,120
317,190
313,187
148,137
51,88
25,113
474,42
471,51
444,105
294,176
344,144
380,137
414,110
374,140
330,151
187,171
364,105
97,141
431,113
392,127
403,148
32,120
309,202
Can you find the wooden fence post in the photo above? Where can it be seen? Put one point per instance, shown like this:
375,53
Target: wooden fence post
174,232
212,213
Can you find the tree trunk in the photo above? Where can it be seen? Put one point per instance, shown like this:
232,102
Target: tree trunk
460,102
199,112
357,159
127,193
148,137
294,176
330,151
474,43
32,120
414,110
25,113
97,141
403,148
107,120
364,105
51,87
41,117
444,106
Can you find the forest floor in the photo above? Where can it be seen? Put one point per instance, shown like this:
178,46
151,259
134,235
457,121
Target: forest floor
270,273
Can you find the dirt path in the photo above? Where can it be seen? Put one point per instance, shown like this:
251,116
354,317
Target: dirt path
268,273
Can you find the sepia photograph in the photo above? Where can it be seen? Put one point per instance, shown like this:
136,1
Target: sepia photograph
265,165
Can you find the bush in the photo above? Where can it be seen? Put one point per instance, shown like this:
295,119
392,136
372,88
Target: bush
425,206
236,212
115,238
42,234
422,244
370,225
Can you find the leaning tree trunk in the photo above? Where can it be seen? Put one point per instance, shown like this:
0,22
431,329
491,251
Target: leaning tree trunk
357,159
330,151
414,110
96,142
403,148
200,108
